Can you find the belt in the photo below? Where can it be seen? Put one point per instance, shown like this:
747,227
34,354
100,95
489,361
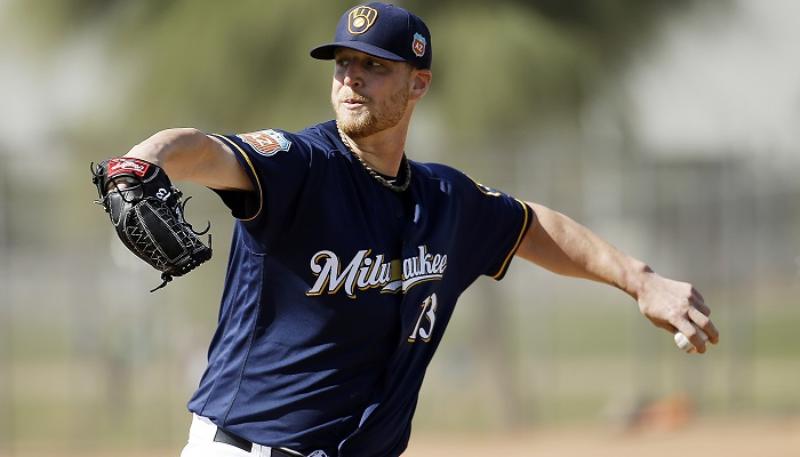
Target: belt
223,436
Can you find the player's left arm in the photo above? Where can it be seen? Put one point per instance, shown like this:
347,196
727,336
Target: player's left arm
561,245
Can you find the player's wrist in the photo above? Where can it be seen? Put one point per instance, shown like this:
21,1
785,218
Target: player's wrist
148,152
636,278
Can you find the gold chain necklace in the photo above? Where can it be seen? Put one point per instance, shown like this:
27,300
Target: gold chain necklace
386,183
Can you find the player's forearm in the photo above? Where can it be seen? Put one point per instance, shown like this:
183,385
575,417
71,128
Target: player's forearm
188,154
178,151
564,246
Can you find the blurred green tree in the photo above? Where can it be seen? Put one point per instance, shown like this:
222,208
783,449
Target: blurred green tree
240,65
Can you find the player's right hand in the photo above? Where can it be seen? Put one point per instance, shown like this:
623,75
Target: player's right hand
677,307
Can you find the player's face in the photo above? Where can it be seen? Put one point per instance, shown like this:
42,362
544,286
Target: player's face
369,94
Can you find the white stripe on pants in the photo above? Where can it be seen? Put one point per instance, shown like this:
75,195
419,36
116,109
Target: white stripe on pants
201,443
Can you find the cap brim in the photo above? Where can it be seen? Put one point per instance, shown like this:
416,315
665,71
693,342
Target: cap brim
327,51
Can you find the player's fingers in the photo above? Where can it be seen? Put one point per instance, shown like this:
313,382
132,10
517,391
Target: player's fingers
712,332
696,336
665,325
705,324
698,318
699,302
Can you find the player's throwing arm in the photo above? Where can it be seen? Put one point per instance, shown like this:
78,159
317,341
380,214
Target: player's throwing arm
563,246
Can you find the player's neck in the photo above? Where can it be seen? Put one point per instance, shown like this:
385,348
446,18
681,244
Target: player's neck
383,151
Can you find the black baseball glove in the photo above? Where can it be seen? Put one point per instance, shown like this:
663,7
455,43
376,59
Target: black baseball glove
147,212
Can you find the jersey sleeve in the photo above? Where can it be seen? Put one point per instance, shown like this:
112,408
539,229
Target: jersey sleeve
493,226
278,163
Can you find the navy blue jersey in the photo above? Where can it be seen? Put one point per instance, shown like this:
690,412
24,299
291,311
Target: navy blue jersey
339,289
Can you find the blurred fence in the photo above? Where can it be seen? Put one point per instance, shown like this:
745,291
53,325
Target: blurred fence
90,371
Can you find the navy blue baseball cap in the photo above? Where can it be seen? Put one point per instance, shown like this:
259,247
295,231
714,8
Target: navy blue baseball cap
381,30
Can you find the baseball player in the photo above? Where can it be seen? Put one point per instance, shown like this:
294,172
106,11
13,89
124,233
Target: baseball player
348,257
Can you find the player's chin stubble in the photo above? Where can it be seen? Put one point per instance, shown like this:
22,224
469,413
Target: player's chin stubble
372,120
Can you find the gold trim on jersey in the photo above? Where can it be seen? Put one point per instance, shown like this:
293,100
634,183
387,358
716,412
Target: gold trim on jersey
228,141
527,216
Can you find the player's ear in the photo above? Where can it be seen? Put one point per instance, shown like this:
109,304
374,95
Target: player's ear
420,82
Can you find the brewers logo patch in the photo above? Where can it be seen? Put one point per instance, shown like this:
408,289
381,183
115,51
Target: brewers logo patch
419,44
361,19
266,142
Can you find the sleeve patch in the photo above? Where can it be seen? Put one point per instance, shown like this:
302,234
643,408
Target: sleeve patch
266,142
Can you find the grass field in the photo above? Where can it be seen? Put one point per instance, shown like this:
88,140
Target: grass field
124,394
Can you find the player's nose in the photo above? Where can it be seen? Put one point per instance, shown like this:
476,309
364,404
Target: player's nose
352,76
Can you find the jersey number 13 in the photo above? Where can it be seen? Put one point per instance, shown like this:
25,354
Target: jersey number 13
428,311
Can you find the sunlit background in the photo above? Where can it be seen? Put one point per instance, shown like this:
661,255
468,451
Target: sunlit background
669,127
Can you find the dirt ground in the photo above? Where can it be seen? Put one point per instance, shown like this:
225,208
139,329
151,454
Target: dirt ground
720,439
762,438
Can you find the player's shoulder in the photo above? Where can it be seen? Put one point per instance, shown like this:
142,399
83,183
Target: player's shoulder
320,137
313,140
432,170
439,172
453,181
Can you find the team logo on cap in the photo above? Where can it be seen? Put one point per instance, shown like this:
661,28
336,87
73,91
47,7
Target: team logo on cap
361,19
418,45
